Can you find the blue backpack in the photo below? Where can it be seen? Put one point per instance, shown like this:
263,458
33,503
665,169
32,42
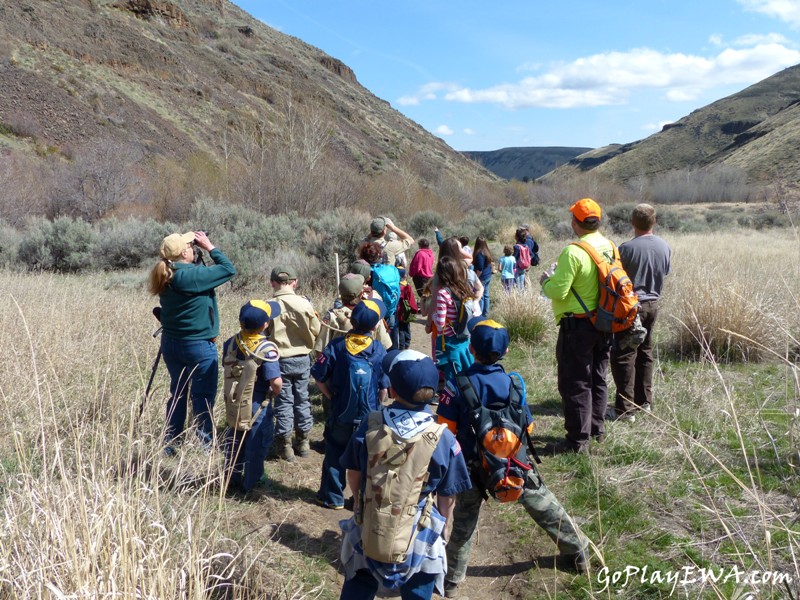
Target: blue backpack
386,281
358,404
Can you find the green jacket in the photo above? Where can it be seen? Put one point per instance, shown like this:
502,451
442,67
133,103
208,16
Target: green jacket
576,269
189,308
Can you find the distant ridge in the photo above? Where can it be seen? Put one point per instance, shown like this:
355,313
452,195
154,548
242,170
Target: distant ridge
525,163
755,130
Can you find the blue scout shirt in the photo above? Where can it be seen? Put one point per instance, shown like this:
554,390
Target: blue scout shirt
492,384
332,367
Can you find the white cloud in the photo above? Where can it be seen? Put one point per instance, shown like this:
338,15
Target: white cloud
429,91
653,127
785,10
468,131
443,130
609,78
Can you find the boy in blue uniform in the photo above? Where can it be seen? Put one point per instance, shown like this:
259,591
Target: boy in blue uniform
349,374
413,378
489,343
245,451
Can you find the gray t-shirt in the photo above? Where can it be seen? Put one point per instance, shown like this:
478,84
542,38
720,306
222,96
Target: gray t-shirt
646,260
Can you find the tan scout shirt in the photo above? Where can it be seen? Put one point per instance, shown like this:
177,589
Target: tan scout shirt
336,323
297,327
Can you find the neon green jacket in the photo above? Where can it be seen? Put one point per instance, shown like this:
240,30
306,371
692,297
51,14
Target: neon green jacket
576,269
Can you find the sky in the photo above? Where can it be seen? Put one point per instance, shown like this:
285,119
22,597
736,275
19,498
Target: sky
486,75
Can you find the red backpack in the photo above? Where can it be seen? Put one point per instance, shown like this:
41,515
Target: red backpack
524,258
618,304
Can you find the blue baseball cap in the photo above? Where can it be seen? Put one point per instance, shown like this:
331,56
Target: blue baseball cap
366,314
256,313
409,371
487,336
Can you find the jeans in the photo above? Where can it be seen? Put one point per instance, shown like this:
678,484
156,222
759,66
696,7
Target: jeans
331,486
519,279
363,586
394,332
485,298
582,355
193,368
292,406
246,451
404,330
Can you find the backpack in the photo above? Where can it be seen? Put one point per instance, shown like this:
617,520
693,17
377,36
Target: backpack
396,471
501,433
386,281
240,378
463,315
618,304
360,378
524,258
407,308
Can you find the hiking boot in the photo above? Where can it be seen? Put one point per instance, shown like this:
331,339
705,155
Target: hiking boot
563,447
301,443
578,562
324,504
450,589
283,447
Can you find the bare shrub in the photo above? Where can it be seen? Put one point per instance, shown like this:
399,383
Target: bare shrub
718,183
24,124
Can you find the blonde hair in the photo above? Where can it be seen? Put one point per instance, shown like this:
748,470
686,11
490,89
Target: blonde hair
160,276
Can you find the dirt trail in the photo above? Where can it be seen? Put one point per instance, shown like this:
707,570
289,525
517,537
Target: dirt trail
500,567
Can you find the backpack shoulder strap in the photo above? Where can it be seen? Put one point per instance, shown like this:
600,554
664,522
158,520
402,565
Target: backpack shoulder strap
590,250
518,391
468,392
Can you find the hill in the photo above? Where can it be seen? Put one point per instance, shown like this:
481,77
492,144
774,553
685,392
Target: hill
175,79
755,130
525,164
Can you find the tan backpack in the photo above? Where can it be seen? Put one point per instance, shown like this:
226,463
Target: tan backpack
396,472
240,379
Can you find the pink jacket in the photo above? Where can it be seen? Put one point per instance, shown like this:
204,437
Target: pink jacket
422,263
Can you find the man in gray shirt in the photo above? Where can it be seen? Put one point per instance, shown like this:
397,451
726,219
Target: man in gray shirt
646,258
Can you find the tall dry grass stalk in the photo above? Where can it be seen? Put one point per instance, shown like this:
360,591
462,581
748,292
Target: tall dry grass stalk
525,313
734,296
90,509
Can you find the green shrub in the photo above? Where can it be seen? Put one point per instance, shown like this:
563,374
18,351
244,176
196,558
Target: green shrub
9,245
128,244
63,245
422,223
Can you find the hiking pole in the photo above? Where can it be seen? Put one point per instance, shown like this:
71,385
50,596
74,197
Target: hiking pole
156,333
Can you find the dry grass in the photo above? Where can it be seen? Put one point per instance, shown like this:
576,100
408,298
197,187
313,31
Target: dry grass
525,313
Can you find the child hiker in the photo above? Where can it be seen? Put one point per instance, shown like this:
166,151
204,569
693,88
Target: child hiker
396,538
508,265
252,379
349,373
505,471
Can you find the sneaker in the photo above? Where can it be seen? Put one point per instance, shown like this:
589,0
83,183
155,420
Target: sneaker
324,504
646,407
627,417
349,503
450,589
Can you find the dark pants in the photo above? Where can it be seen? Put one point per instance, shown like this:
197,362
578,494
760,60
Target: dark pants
393,326
582,355
419,283
404,331
632,368
246,451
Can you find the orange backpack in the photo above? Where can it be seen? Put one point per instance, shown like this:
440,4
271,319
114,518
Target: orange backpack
618,303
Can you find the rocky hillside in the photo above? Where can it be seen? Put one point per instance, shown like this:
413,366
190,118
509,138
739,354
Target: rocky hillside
173,77
525,164
756,130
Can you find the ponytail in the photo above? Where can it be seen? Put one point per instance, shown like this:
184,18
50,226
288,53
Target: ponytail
160,276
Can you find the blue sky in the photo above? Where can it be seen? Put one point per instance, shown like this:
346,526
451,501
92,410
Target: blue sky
488,75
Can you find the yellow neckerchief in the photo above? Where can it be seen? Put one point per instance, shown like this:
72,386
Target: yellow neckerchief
248,342
357,342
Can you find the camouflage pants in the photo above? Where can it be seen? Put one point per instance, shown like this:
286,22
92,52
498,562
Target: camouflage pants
541,504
